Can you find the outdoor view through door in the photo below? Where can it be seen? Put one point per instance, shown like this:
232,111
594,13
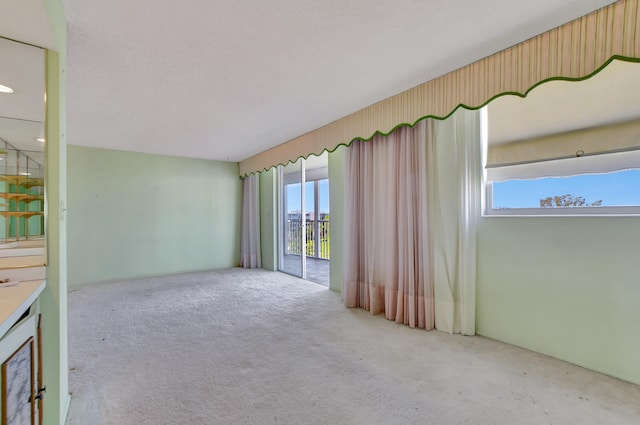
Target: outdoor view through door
304,219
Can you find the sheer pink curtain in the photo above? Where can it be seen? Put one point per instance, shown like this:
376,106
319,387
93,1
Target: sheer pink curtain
388,259
412,201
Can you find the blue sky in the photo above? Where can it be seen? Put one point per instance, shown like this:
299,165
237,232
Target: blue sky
293,196
615,189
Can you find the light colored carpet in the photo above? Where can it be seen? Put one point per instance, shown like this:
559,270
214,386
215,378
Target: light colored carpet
255,347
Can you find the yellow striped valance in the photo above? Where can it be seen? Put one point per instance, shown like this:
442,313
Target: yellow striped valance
575,50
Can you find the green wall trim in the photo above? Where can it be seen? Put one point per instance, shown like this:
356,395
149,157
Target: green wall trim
53,301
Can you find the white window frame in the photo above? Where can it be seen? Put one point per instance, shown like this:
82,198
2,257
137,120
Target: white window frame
605,211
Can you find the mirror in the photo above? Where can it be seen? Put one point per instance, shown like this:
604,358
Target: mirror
22,144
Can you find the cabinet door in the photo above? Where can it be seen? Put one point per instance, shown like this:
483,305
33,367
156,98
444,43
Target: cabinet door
18,387
18,375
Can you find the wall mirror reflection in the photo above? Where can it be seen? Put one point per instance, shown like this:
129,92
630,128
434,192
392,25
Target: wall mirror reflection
22,144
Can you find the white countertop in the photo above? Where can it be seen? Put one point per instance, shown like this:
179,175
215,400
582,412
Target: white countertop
14,301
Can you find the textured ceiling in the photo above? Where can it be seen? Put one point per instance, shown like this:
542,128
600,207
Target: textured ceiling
226,79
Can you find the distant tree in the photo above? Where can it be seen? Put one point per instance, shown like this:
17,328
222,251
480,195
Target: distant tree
567,201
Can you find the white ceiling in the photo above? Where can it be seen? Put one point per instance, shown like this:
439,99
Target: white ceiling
226,79
562,106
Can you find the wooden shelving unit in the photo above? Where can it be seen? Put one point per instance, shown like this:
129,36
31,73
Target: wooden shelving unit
21,203
23,197
20,180
23,214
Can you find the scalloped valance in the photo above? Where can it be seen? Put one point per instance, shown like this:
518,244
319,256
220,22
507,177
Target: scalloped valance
573,51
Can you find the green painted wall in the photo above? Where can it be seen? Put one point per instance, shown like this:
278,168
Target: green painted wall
336,213
133,215
53,301
269,219
568,287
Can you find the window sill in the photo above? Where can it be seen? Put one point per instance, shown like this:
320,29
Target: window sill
564,212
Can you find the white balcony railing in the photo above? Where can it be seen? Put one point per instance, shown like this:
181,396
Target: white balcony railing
317,236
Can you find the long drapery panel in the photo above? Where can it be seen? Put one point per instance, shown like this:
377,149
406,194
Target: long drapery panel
250,241
411,203
387,256
455,187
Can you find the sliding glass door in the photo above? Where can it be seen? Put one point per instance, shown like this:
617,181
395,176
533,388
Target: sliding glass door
292,219
304,219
